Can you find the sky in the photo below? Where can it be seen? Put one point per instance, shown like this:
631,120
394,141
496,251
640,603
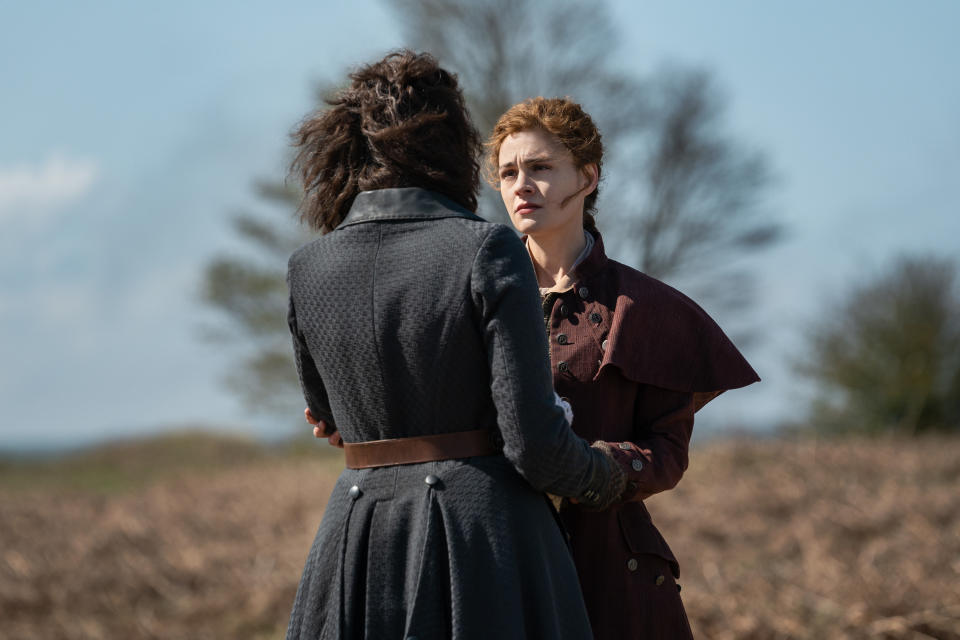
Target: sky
131,132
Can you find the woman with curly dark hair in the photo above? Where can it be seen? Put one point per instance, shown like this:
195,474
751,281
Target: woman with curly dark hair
418,338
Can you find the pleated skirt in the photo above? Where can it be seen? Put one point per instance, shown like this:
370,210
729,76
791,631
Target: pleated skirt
454,549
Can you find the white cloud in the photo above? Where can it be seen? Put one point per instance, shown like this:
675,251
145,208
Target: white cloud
38,191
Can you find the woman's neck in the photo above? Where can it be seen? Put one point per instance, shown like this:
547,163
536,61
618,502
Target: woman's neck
553,256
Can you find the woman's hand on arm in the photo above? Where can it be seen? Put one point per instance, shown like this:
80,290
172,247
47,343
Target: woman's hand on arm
322,430
655,460
616,488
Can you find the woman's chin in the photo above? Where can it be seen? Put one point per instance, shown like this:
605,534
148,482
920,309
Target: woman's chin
528,225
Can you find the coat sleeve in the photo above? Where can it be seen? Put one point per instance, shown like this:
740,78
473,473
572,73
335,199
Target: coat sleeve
537,439
657,455
314,391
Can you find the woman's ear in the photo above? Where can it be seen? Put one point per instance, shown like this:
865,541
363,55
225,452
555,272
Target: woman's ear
592,173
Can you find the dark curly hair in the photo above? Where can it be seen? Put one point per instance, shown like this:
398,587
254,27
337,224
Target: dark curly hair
402,122
572,126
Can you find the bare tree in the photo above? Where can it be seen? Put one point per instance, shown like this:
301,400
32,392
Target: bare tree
697,194
680,200
886,356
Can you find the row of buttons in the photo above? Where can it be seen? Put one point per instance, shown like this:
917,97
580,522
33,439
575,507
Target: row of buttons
636,464
632,565
564,339
583,292
355,491
595,317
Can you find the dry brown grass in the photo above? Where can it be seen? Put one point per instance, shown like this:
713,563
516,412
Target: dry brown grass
195,554
851,538
777,539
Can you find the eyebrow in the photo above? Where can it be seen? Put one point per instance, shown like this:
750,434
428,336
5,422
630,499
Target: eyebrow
529,161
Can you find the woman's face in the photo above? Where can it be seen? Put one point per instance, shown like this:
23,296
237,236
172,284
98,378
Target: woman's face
538,180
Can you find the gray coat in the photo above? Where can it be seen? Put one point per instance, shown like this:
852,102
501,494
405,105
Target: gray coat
416,317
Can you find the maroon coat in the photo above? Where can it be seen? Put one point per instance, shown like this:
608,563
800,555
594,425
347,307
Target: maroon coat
635,358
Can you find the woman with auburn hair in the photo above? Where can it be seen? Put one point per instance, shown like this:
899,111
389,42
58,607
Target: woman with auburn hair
634,357
418,340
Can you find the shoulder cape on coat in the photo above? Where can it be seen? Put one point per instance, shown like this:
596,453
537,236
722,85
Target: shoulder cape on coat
660,337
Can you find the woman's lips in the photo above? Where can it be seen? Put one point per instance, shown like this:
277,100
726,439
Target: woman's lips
526,208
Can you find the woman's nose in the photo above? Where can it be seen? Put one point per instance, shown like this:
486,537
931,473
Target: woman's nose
523,185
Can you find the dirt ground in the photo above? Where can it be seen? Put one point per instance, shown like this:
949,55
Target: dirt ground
780,538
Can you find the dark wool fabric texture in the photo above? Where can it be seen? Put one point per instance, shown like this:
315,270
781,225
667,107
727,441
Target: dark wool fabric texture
416,317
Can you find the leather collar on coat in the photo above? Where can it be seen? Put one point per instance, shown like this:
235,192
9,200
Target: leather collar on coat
403,203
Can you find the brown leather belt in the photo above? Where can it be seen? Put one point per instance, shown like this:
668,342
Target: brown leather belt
444,446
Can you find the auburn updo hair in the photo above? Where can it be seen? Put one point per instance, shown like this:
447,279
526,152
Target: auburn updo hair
571,125
402,122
